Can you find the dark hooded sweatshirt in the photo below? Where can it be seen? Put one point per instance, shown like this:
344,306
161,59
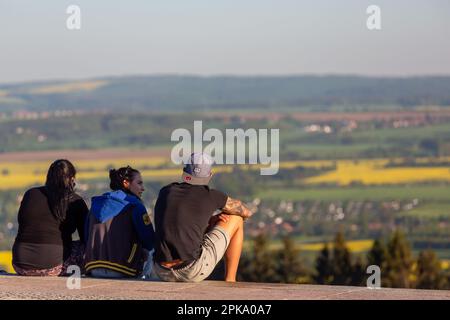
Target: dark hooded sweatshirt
118,228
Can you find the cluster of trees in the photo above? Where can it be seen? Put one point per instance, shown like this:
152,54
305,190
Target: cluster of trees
335,265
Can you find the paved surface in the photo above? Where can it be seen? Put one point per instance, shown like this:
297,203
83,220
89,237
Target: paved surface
15,287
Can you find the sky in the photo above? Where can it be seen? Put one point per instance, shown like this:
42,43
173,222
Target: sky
232,37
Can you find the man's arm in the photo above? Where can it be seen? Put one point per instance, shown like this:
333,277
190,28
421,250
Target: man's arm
236,207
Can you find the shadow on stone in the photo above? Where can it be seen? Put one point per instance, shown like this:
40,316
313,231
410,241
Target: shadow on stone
218,272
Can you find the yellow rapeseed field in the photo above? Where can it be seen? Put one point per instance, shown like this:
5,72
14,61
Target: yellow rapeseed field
352,245
6,261
355,246
14,175
69,87
372,172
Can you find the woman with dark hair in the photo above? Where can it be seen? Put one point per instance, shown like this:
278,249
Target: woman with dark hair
48,216
119,228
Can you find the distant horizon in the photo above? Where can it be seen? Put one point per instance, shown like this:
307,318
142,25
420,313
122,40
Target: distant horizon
225,75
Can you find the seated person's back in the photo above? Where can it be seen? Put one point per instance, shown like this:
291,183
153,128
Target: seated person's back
182,214
118,229
48,216
189,239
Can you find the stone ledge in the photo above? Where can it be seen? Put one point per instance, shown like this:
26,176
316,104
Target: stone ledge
37,288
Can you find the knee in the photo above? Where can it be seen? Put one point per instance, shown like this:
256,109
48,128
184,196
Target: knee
238,220
234,223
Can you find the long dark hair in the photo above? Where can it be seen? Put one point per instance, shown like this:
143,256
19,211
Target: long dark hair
60,187
116,177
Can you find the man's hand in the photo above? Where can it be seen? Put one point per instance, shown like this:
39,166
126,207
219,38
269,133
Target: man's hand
219,217
237,208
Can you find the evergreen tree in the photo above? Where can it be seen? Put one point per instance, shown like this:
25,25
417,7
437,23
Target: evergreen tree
341,262
429,272
290,267
377,254
399,262
447,279
358,275
324,267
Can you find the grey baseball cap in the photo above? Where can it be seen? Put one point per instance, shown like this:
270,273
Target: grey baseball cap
198,169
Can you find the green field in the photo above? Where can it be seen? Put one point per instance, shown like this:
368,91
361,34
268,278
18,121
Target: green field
375,193
391,134
429,210
328,151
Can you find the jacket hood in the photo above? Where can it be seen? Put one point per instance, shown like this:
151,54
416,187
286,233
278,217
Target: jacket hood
110,204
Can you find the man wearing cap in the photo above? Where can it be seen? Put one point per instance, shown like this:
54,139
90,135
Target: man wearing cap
189,240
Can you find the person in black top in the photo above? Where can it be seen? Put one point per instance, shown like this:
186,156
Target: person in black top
189,239
48,216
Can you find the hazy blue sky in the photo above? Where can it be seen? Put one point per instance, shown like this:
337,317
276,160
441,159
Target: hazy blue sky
222,37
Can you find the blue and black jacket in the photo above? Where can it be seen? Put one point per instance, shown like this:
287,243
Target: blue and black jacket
117,230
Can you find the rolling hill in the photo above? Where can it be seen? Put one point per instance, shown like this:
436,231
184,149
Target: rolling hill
184,92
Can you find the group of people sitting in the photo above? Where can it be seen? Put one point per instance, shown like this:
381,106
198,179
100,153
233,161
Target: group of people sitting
194,227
